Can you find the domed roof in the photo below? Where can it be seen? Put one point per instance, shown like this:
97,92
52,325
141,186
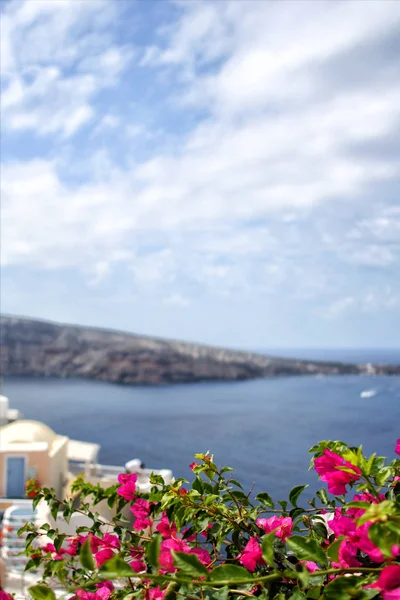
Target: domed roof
26,432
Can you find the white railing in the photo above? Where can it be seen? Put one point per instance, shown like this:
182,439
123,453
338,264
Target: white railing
112,471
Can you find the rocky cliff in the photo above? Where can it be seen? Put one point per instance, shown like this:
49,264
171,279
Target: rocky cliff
40,348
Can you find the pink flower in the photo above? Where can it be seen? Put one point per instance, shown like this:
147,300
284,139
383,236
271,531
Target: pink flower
251,555
165,527
397,449
388,583
188,538
342,524
103,556
202,555
347,555
155,594
310,566
193,465
205,532
141,510
166,559
137,563
364,497
328,468
128,488
183,491
282,526
108,544
366,545
54,554
5,596
103,592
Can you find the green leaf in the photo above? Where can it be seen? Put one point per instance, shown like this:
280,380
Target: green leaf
298,595
115,568
198,485
358,505
382,476
33,563
295,512
41,592
266,499
295,493
221,594
323,496
234,482
86,556
153,550
333,550
267,547
314,593
343,588
320,528
170,592
229,573
189,563
307,549
384,537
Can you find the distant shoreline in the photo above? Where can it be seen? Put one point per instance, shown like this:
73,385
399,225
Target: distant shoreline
44,349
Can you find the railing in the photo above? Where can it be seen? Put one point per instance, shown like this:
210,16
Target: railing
112,471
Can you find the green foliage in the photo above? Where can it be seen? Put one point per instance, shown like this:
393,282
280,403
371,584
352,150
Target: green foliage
203,540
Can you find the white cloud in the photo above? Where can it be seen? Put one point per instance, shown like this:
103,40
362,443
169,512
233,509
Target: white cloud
177,300
56,56
232,202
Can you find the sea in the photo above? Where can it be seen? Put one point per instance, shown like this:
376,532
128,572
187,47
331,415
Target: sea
262,428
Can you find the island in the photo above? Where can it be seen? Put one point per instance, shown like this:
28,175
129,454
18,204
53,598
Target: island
30,347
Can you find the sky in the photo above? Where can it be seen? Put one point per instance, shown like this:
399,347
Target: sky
225,172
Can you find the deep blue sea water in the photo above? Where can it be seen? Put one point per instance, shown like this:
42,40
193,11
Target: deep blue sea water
262,428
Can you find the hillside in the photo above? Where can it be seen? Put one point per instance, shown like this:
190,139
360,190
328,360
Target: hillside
40,348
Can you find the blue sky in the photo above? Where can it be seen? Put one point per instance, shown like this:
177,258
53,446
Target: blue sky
225,172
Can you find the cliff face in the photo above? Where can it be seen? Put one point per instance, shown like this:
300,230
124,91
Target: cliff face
39,348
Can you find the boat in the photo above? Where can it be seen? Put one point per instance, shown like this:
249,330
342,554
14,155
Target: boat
368,394
30,450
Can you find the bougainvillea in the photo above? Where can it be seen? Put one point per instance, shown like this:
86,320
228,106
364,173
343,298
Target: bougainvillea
213,540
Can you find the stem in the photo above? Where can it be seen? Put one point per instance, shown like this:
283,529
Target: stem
371,486
265,578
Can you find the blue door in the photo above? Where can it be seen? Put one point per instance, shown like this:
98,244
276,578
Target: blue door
15,477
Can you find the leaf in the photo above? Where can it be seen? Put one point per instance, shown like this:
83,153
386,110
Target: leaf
320,529
229,573
343,588
153,551
198,485
86,556
33,563
383,475
314,593
323,496
384,537
295,493
170,592
298,595
221,594
333,550
267,547
266,499
115,568
239,485
189,563
41,592
307,549
295,512
358,505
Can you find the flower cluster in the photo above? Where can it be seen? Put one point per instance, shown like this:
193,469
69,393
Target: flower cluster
212,540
